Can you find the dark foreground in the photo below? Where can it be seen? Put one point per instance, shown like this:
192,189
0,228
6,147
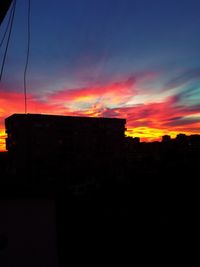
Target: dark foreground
139,206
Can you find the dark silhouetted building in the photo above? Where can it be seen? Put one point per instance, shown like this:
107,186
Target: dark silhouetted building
166,138
182,137
136,140
62,144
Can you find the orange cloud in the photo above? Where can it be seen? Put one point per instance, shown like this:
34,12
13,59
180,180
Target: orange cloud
112,94
148,134
13,102
148,120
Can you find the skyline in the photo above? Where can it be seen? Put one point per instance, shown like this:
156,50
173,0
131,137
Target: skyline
137,60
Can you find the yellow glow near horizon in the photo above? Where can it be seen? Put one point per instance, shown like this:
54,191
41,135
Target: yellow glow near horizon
2,140
151,134
146,134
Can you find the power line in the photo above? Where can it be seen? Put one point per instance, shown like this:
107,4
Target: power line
8,40
7,26
27,56
4,7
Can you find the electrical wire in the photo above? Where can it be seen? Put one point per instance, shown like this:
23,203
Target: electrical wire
27,56
8,40
7,26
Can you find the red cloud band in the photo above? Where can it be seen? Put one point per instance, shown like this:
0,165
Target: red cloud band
148,120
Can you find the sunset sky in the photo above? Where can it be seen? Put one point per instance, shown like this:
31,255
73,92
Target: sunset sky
134,59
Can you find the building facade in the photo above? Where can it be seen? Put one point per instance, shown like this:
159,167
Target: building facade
50,143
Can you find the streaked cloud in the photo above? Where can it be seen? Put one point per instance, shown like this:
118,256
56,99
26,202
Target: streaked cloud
114,93
150,113
183,77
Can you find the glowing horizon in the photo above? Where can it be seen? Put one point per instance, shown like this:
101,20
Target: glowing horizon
137,60
146,134
149,115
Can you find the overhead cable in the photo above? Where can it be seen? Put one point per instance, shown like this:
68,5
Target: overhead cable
7,26
27,55
8,40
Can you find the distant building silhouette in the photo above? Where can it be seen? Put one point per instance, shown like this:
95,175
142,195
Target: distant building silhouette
166,138
194,140
43,223
62,144
136,140
181,137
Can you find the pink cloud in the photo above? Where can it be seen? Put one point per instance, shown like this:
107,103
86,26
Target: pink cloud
113,94
108,100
